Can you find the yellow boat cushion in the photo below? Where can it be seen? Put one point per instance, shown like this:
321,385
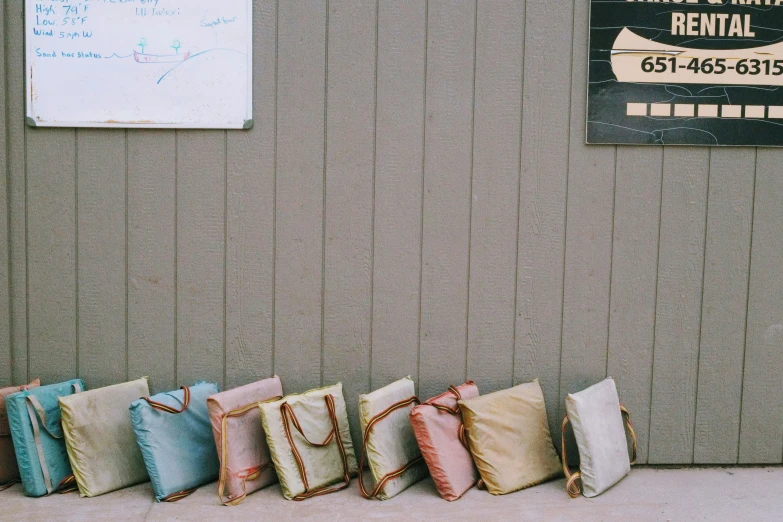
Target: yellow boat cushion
509,438
100,440
599,431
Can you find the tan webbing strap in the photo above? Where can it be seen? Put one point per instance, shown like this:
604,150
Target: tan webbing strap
178,496
248,474
168,409
627,417
289,416
32,400
463,436
572,487
67,485
32,406
7,485
394,474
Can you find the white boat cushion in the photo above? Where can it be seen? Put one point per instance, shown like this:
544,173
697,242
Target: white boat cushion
99,438
600,435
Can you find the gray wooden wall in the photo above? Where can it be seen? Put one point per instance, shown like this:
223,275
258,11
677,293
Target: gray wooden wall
415,198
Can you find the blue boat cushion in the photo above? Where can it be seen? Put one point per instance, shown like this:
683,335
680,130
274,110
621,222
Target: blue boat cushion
34,416
175,437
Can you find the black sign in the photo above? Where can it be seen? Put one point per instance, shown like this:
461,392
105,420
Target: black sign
686,72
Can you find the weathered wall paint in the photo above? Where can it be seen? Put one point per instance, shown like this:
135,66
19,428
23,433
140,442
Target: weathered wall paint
415,198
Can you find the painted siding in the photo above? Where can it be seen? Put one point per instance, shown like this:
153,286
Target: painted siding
6,357
415,199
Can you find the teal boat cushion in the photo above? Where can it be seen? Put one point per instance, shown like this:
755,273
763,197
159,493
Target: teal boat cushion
34,417
174,434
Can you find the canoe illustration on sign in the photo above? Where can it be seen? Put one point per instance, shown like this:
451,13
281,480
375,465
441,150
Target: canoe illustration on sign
639,60
160,58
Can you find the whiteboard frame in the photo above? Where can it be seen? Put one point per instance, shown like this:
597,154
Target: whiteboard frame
32,122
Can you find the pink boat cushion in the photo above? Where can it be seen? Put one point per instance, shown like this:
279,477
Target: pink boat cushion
9,471
246,465
438,434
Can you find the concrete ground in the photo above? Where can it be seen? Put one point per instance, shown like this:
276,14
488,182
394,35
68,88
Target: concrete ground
646,494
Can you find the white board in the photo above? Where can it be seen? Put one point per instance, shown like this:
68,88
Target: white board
139,63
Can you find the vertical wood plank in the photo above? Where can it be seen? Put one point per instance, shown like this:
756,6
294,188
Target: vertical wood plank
250,218
589,229
448,169
201,254
101,248
761,433
724,310
300,192
51,251
17,179
678,316
545,143
637,218
495,218
6,359
152,257
350,149
398,190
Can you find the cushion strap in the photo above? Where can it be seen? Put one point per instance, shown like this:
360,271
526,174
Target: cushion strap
7,485
67,485
382,482
245,475
574,489
32,400
178,496
33,405
168,409
289,416
627,417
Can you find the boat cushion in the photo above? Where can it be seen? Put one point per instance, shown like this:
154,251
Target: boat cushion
174,435
389,444
34,416
100,440
245,464
437,425
9,470
310,430
600,436
509,438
